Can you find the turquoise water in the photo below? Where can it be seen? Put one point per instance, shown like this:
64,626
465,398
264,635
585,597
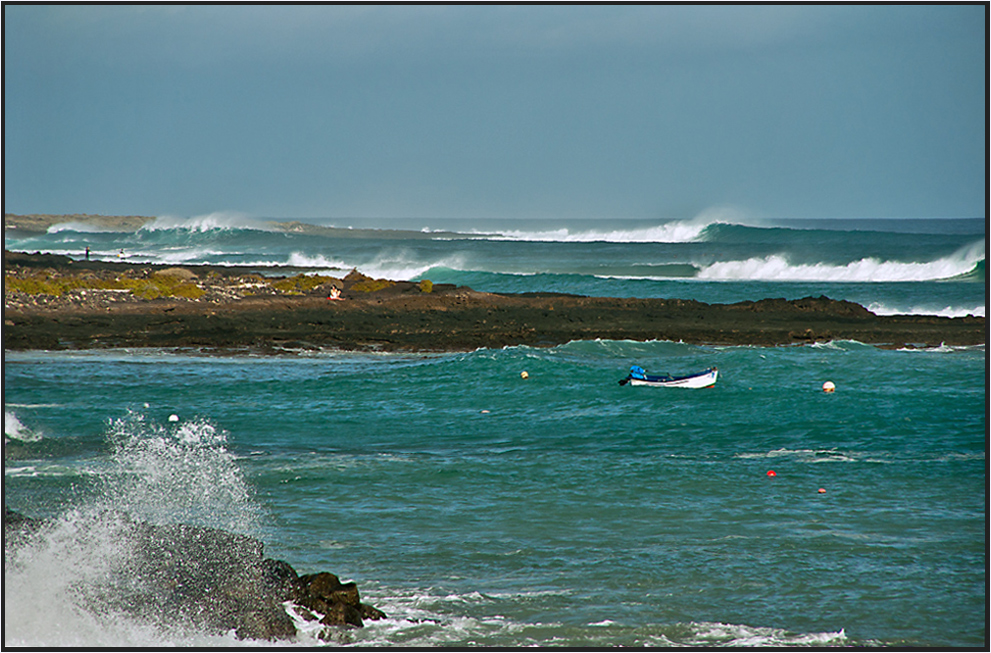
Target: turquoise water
932,267
477,507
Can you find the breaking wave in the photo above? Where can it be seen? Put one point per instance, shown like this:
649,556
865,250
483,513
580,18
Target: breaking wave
80,227
15,430
315,262
671,232
674,231
221,220
879,308
400,266
777,267
63,586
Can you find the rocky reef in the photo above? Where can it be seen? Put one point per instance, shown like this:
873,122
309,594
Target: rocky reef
53,302
213,580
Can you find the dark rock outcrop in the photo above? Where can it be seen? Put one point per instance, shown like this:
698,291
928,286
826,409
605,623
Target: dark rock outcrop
238,311
212,579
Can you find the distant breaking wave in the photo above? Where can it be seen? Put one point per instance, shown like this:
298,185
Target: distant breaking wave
396,266
879,308
211,222
80,227
777,267
671,232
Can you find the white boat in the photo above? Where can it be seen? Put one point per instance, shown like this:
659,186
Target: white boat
639,376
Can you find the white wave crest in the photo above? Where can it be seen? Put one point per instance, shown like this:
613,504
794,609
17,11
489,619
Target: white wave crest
805,455
670,232
777,267
183,255
404,267
398,266
317,262
429,618
15,430
80,227
674,231
943,348
720,634
221,220
879,308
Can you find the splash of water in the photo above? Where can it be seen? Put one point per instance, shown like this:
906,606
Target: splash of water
70,584
220,220
15,430
177,473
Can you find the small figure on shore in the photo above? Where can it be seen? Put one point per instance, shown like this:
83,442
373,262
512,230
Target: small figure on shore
87,253
120,255
335,293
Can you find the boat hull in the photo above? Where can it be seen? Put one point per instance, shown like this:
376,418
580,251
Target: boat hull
703,380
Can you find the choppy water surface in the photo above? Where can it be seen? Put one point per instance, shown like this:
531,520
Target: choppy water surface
477,507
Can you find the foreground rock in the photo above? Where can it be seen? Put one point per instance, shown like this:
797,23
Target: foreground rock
222,311
211,579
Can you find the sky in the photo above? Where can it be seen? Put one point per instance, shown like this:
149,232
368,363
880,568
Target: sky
505,111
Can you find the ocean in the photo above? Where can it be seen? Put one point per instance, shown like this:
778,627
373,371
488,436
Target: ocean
476,507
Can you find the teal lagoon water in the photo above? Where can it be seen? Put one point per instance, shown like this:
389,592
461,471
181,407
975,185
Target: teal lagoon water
476,507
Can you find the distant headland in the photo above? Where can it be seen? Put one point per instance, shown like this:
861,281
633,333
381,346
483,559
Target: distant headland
41,222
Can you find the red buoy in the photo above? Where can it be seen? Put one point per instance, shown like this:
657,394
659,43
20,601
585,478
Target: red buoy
771,473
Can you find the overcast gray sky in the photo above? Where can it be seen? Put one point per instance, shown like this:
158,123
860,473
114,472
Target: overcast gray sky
496,111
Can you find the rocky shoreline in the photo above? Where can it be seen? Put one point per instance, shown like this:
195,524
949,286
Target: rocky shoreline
55,302
214,580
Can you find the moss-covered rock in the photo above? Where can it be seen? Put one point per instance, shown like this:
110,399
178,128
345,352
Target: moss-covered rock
301,283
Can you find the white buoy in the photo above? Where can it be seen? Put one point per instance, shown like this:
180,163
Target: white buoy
173,417
828,386
524,375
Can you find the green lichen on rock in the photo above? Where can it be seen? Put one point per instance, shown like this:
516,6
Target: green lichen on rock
372,285
301,283
160,284
358,282
42,283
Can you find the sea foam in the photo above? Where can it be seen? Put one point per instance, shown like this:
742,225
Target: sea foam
221,220
80,227
880,308
671,232
428,618
396,265
778,267
65,586
15,430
